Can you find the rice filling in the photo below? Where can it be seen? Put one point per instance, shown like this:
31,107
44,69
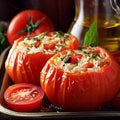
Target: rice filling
82,60
40,42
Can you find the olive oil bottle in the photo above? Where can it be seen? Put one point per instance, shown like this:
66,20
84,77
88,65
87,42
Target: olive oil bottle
107,15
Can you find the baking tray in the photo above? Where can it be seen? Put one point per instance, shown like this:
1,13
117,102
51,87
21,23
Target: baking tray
49,111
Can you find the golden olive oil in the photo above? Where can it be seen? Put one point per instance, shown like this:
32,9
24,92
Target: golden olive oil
109,37
107,16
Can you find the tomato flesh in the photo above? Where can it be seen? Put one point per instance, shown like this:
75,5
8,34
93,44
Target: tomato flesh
89,65
50,46
23,96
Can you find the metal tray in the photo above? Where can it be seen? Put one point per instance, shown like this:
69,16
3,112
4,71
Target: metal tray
105,112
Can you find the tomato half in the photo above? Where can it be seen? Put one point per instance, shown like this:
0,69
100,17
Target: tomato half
23,97
21,20
85,90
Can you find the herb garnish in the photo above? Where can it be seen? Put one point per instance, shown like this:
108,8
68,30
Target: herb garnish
65,57
58,34
91,37
95,56
38,38
41,36
3,42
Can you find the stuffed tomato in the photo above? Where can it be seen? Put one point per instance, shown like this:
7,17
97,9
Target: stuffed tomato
82,79
28,55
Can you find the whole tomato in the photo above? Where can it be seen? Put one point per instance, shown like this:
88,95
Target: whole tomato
87,89
28,22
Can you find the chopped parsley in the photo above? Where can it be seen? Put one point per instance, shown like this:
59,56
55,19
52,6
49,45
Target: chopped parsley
58,34
38,38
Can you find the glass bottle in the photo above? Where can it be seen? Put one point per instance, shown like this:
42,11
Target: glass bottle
107,15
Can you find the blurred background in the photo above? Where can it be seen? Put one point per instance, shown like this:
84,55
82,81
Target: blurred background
61,12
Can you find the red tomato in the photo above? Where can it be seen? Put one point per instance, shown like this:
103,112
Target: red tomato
49,46
74,60
116,101
22,20
116,55
24,67
89,65
75,91
23,97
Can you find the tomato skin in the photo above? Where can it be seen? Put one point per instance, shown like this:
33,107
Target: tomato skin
24,67
116,55
116,101
76,92
20,21
14,92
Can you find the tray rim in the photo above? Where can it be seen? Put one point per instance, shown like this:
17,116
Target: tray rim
47,115
56,114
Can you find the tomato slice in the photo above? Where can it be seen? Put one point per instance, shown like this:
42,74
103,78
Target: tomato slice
23,96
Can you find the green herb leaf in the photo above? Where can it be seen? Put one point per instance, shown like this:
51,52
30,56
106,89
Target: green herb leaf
42,35
38,38
3,41
91,37
62,58
58,34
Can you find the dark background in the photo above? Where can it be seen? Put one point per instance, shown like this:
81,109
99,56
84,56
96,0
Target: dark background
61,12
